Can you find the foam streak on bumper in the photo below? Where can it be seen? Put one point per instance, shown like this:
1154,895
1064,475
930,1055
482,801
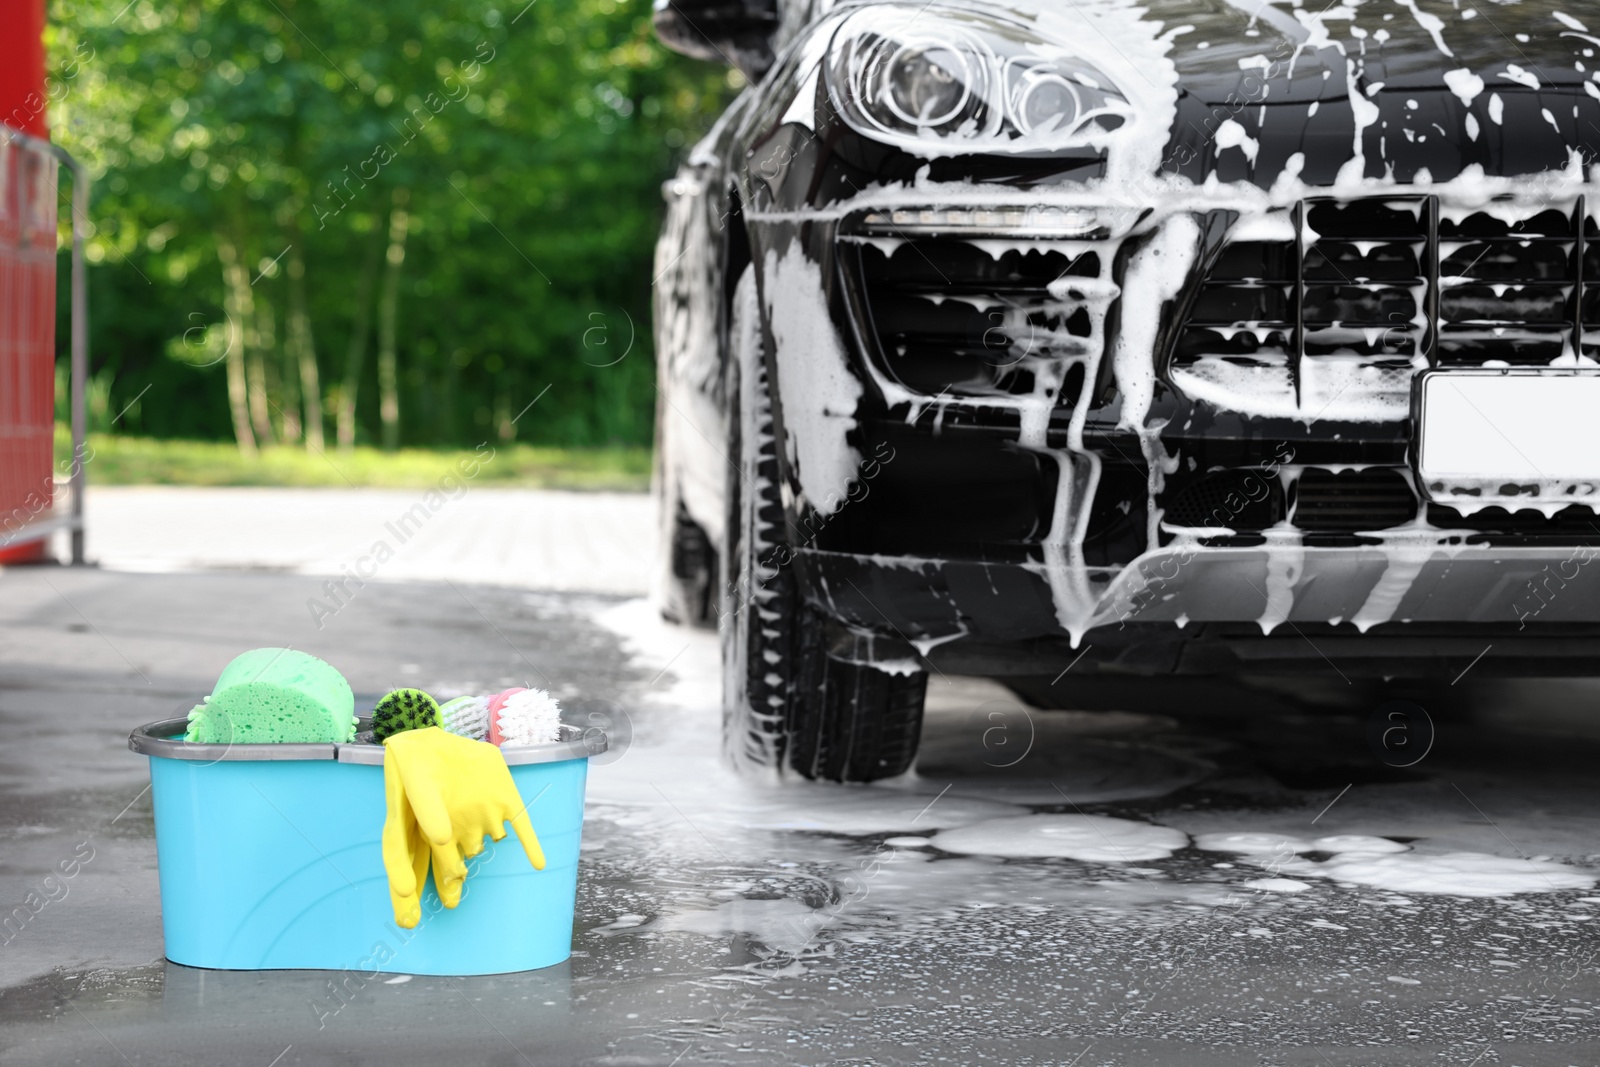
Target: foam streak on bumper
1363,585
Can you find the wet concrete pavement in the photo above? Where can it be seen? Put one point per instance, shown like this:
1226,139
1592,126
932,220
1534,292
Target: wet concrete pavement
725,920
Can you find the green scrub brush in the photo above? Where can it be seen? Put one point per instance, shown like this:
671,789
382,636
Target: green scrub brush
401,710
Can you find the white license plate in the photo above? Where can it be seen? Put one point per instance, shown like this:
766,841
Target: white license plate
1515,438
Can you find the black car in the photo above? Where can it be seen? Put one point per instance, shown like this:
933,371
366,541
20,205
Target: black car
1084,338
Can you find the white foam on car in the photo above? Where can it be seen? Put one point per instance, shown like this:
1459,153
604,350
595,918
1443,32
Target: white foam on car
1232,135
1135,57
818,391
1464,84
1433,24
1285,560
1350,388
1155,275
1089,838
691,426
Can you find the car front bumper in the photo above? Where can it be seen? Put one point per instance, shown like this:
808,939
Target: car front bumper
1393,610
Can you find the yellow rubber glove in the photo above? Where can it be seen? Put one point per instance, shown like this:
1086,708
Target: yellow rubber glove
405,851
454,791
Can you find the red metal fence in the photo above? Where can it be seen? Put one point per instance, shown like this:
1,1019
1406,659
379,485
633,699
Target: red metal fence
28,200
29,194
28,197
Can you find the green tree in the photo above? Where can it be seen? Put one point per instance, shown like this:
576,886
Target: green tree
286,184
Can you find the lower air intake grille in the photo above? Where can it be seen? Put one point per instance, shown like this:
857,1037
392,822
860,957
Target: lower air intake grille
1244,500
1351,501
1240,500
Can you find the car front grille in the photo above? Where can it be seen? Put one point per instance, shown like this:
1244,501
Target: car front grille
1325,311
1333,318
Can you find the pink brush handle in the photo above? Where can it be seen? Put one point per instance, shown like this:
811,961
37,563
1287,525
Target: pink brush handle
497,702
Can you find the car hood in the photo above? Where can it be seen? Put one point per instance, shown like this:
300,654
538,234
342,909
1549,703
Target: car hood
1306,52
1395,91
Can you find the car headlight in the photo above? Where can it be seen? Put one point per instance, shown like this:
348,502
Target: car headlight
937,82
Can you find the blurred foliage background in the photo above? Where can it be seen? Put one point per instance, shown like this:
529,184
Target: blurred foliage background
329,222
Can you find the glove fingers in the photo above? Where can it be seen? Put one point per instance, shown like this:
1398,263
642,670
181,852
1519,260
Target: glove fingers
403,863
407,911
397,856
411,903
445,794
449,872
529,839
510,800
403,895
428,804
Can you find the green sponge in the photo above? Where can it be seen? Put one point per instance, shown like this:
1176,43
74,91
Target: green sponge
401,710
275,695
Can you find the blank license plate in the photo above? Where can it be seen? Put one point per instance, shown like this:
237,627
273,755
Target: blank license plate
1516,438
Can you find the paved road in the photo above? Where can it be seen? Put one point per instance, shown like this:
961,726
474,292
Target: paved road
532,539
725,920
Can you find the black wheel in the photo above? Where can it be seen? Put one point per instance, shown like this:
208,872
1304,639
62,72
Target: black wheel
789,700
686,567
851,722
689,596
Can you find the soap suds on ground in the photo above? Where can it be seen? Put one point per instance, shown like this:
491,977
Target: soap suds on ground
1090,838
986,822
1461,874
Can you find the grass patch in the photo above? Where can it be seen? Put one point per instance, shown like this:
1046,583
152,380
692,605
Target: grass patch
115,460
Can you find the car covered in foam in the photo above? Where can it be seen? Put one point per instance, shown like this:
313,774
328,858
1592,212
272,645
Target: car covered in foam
1079,339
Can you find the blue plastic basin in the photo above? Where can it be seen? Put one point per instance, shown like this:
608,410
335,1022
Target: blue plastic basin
270,857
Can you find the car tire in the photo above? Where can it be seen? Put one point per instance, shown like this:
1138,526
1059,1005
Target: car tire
686,568
690,563
788,702
859,723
